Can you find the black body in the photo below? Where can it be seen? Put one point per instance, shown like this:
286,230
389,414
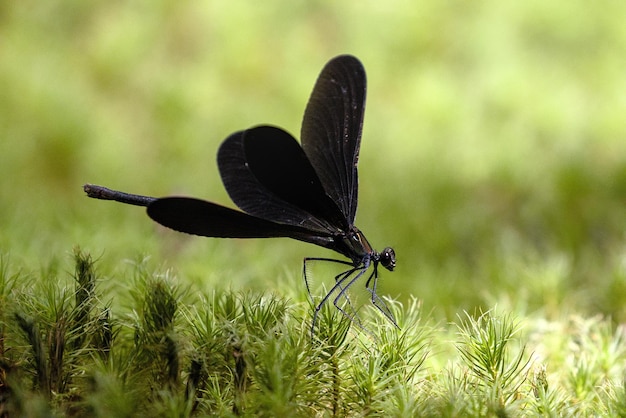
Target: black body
307,192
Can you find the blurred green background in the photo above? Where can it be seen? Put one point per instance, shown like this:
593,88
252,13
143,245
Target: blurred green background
493,157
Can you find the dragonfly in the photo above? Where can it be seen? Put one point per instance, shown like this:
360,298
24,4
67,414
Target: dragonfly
306,191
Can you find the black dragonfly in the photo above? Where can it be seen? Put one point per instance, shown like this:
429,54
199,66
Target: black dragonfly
306,192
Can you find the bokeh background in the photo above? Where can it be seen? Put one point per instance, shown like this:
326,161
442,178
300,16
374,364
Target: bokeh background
493,157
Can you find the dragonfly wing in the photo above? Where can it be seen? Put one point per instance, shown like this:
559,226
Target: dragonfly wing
199,217
267,174
331,130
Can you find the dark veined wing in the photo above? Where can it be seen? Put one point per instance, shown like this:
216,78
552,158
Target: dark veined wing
331,129
267,174
199,217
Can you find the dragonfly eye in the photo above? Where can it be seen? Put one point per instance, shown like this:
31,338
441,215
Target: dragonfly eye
388,258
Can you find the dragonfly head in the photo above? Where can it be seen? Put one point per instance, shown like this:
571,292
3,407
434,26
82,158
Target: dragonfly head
388,258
